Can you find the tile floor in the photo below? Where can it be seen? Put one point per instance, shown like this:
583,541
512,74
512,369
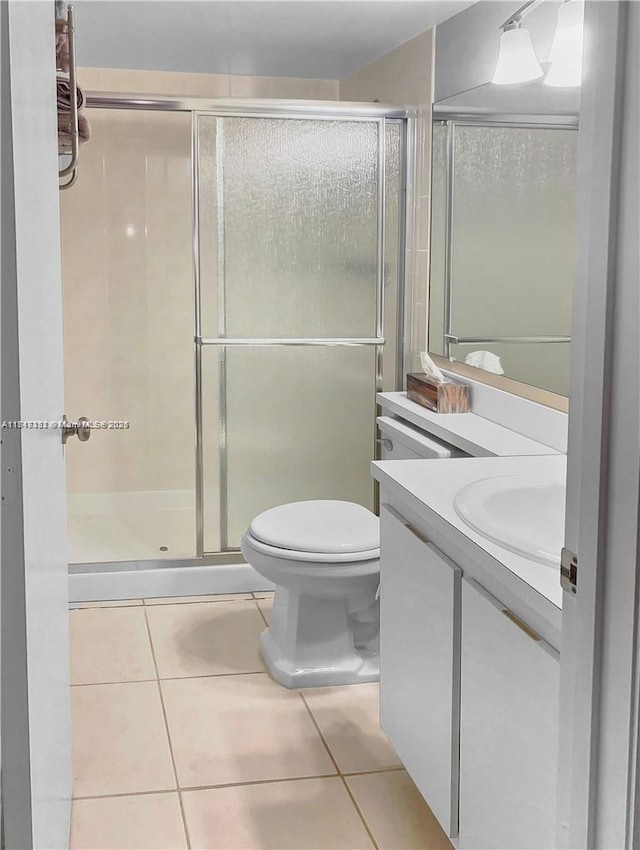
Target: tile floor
181,740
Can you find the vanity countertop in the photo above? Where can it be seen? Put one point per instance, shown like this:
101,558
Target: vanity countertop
469,432
429,488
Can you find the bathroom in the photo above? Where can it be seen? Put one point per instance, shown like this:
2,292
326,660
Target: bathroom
275,211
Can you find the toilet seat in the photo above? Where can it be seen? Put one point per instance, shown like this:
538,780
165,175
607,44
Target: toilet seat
332,558
320,529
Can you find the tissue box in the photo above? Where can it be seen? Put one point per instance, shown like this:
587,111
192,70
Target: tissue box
448,397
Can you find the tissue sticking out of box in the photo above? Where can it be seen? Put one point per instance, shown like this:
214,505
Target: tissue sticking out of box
430,369
486,360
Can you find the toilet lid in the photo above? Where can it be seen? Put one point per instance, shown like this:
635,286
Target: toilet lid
318,526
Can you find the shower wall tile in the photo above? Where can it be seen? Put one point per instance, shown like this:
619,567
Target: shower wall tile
283,87
404,76
165,82
205,85
128,303
90,78
423,207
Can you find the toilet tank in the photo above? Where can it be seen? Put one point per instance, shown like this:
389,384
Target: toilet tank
400,440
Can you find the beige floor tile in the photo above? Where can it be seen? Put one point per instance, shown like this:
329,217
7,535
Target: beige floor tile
110,645
120,742
395,812
128,823
231,729
348,718
107,603
308,814
264,594
179,600
206,639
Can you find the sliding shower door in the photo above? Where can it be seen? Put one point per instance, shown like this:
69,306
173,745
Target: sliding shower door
291,232
231,291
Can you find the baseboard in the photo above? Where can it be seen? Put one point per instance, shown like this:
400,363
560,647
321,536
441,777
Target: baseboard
178,581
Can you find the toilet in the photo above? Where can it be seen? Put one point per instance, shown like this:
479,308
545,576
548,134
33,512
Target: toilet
323,557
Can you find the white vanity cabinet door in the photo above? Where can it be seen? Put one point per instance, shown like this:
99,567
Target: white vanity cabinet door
419,662
508,730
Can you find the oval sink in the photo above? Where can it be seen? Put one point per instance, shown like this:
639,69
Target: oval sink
523,513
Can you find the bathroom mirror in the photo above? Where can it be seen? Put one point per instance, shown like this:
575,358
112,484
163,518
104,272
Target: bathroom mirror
503,218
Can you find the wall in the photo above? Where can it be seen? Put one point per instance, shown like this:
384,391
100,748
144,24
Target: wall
404,76
205,85
128,281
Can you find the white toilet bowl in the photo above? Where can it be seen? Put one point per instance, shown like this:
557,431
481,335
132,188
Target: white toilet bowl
324,559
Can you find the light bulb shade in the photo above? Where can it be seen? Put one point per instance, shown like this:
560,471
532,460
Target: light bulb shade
517,60
565,75
565,54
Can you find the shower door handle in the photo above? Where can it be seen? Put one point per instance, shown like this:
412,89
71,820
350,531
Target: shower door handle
80,429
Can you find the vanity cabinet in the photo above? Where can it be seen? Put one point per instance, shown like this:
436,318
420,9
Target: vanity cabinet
508,729
469,697
420,604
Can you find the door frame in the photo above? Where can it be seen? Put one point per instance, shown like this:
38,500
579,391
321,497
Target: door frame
600,683
36,722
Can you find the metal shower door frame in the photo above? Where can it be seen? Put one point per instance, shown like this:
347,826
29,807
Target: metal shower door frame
381,114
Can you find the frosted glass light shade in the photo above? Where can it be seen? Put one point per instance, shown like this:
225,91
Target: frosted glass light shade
564,75
565,54
517,60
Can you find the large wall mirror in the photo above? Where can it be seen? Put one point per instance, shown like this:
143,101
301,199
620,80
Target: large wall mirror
503,231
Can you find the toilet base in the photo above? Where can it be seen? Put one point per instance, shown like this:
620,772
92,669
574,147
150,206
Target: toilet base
316,641
347,671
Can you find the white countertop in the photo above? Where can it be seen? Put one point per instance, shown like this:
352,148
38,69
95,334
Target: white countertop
467,431
434,484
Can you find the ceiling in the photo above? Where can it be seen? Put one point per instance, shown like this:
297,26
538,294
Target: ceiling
323,39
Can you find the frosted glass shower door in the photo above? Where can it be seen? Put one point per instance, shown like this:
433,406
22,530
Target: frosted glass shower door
291,220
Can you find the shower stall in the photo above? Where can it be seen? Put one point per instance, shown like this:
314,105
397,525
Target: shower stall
233,279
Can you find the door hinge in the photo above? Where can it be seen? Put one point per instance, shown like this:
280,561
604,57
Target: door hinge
569,571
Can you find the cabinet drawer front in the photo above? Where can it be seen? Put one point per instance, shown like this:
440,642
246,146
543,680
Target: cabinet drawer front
419,662
508,729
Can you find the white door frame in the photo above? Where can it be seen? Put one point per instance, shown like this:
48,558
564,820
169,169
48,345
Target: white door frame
36,726
599,687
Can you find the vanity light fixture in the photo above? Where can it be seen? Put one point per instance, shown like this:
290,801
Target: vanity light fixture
517,60
565,55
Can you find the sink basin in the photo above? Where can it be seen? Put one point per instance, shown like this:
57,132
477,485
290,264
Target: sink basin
522,513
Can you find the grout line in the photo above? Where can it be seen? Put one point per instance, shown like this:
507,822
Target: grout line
189,788
178,601
262,614
394,769
359,811
340,774
125,794
322,738
256,782
166,726
116,682
83,606
170,678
